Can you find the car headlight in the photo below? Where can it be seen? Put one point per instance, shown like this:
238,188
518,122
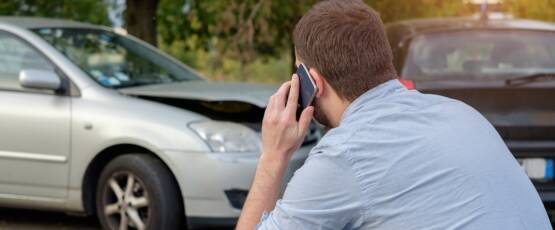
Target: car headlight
224,137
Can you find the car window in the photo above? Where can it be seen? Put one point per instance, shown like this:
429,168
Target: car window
479,55
16,55
114,60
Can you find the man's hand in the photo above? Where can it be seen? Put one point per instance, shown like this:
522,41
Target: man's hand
282,134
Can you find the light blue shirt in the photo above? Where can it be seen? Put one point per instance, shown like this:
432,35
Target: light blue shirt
401,159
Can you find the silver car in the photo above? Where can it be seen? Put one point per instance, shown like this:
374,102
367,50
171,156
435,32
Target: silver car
98,122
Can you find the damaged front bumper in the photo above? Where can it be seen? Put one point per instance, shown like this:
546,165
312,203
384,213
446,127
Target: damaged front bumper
214,186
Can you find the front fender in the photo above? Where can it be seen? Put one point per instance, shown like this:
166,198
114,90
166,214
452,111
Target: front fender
98,124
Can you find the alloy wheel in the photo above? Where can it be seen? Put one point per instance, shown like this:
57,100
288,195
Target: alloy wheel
126,202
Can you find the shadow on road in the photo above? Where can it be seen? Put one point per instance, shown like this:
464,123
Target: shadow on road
17,219
30,219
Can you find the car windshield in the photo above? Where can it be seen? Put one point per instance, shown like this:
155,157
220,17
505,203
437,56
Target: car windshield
479,55
113,60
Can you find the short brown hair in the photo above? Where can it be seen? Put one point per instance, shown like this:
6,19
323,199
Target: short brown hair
345,41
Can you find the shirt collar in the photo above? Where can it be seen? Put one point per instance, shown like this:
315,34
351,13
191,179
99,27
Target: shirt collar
375,93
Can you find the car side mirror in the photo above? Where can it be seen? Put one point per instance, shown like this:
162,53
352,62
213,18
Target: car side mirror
39,79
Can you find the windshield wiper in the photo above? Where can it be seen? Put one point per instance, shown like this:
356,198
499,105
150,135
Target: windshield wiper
522,80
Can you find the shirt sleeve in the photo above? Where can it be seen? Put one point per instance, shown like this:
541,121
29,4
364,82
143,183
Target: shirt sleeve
323,194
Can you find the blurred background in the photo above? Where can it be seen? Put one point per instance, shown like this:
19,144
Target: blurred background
241,40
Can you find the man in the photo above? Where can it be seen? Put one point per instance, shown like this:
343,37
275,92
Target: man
394,158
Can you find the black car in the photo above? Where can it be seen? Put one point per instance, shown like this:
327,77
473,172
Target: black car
503,68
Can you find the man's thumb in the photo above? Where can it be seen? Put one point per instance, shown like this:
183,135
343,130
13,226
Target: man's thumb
304,120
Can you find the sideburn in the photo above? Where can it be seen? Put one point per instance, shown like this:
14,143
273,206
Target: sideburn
320,115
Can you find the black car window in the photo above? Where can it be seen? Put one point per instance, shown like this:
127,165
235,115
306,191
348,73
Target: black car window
481,54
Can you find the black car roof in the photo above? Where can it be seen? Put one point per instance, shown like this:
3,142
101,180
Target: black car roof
419,25
399,31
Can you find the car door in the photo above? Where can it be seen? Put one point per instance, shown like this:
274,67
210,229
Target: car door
34,129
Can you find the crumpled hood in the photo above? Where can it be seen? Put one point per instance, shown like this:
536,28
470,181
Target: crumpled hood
256,94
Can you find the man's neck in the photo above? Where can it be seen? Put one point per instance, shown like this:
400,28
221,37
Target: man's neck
339,109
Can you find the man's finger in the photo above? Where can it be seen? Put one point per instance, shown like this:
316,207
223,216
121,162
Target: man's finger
304,120
293,100
270,106
281,95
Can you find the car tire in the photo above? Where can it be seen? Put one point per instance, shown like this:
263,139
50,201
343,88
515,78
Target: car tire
137,191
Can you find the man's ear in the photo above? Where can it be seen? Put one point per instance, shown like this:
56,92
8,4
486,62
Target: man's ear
319,81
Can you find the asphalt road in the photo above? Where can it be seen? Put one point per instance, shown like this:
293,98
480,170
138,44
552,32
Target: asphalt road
15,219
33,220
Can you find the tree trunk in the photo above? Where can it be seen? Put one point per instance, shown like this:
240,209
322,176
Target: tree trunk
140,19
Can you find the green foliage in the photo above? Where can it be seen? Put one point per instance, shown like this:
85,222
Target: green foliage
232,26
407,9
537,9
270,70
248,40
231,34
93,11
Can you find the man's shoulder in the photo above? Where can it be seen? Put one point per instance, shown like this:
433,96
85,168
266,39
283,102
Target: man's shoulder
374,118
333,144
396,123
323,167
408,105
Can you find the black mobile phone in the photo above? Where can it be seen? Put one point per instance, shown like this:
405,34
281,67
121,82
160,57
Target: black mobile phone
307,89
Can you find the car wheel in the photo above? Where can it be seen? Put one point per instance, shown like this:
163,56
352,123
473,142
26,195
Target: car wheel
137,191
